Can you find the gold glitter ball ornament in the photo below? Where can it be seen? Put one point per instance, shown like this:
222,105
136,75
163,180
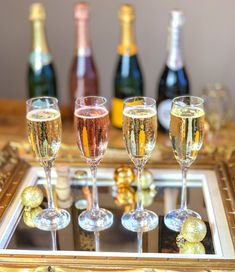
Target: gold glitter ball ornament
125,196
193,229
147,197
124,175
32,196
146,179
29,215
192,248
180,241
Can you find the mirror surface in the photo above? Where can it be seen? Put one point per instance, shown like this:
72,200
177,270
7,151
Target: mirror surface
160,194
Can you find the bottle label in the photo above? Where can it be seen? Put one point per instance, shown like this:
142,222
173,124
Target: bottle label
117,107
38,59
164,109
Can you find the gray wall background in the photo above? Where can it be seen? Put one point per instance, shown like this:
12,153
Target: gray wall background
209,42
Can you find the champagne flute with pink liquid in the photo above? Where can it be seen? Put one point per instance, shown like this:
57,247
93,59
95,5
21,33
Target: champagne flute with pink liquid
91,122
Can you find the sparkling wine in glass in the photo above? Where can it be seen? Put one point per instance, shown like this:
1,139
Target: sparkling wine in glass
44,134
91,122
186,134
139,132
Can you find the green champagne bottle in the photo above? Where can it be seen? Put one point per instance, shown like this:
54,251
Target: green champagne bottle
128,80
41,74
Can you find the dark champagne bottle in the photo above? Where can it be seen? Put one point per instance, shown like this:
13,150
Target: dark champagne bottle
83,74
128,80
41,73
174,80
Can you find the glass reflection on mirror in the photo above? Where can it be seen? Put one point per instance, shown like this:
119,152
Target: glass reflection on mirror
116,238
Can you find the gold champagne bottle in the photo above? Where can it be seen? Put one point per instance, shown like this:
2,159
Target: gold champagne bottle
41,73
128,80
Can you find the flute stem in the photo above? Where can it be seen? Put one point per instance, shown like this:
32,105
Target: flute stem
47,169
95,204
183,205
139,198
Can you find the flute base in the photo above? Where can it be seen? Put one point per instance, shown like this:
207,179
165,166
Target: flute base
95,220
140,220
175,218
52,219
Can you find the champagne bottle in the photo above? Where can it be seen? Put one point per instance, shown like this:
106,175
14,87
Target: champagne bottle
83,74
41,73
174,80
128,80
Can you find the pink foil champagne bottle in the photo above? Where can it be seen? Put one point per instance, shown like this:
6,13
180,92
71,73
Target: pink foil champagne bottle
83,74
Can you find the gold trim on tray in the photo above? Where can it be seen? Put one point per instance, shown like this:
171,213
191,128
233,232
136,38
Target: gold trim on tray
13,170
95,263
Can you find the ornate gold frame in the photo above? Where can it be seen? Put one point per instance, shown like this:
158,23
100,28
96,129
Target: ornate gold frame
13,169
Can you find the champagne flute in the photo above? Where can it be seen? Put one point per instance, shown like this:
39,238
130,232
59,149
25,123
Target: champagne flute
186,134
44,134
91,122
139,132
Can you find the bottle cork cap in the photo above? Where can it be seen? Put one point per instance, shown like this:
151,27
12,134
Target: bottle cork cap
177,18
37,12
81,11
126,13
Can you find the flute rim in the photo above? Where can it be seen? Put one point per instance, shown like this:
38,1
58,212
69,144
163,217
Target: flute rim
90,96
141,97
202,101
54,99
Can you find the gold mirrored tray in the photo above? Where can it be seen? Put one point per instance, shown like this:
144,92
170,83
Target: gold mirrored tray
211,193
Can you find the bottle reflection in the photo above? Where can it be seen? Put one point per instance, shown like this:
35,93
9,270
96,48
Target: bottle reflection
63,191
170,199
87,193
86,202
87,241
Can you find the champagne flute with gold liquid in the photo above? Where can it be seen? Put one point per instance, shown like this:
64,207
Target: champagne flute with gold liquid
186,134
139,132
44,134
91,123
